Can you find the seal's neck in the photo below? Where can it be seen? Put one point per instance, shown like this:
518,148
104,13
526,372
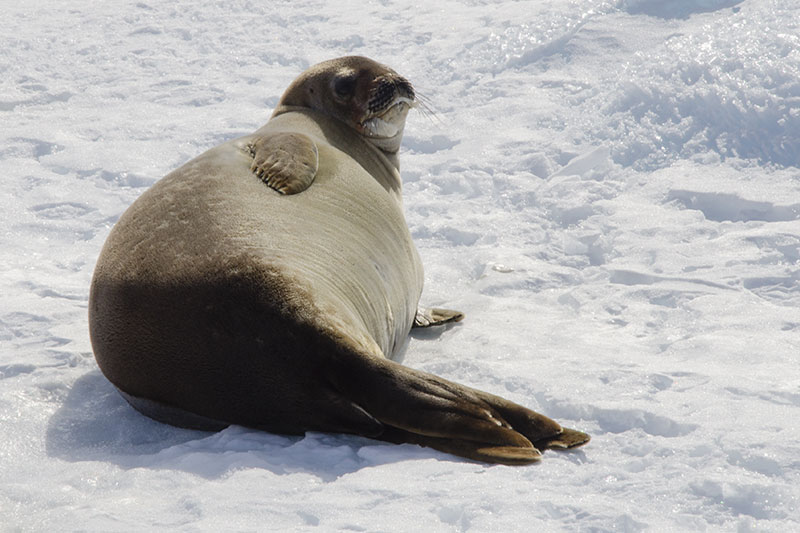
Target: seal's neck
380,163
388,146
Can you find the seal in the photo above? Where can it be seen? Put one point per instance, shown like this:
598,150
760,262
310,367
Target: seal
270,281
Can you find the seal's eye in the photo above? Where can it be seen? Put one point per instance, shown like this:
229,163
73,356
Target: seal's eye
345,86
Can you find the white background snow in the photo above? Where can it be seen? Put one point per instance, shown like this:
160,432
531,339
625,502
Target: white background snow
609,189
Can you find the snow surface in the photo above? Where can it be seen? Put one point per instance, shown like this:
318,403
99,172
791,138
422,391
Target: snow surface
609,190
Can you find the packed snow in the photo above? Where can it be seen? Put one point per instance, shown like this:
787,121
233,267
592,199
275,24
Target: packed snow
610,190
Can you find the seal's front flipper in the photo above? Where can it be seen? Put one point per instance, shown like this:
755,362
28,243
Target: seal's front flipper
287,162
436,317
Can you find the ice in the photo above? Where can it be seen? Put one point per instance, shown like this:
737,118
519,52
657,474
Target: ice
608,189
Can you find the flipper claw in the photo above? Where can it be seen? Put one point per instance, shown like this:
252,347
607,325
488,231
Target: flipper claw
427,317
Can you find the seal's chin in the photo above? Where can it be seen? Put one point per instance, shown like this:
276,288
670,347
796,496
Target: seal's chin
390,122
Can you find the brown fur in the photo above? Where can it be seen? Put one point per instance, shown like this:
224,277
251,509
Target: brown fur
218,299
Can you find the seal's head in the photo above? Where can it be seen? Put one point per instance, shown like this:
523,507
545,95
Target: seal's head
367,96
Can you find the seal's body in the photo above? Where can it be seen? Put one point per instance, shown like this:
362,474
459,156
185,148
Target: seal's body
269,281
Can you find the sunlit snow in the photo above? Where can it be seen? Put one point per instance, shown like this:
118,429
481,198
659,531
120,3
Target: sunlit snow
610,190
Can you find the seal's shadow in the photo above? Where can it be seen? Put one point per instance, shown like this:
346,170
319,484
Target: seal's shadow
96,424
433,332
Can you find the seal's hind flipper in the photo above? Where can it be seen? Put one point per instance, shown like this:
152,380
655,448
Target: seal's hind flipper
434,316
424,409
287,162
506,455
568,438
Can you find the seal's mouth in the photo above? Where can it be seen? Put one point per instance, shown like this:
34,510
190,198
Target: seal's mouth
389,101
390,121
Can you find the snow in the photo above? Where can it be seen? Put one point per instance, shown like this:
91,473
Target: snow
608,189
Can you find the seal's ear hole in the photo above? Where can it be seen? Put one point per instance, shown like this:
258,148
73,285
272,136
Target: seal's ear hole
344,86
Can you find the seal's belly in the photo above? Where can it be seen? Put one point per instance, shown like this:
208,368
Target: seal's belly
346,240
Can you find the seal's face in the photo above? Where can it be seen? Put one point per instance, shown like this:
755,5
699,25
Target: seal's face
389,98
367,96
